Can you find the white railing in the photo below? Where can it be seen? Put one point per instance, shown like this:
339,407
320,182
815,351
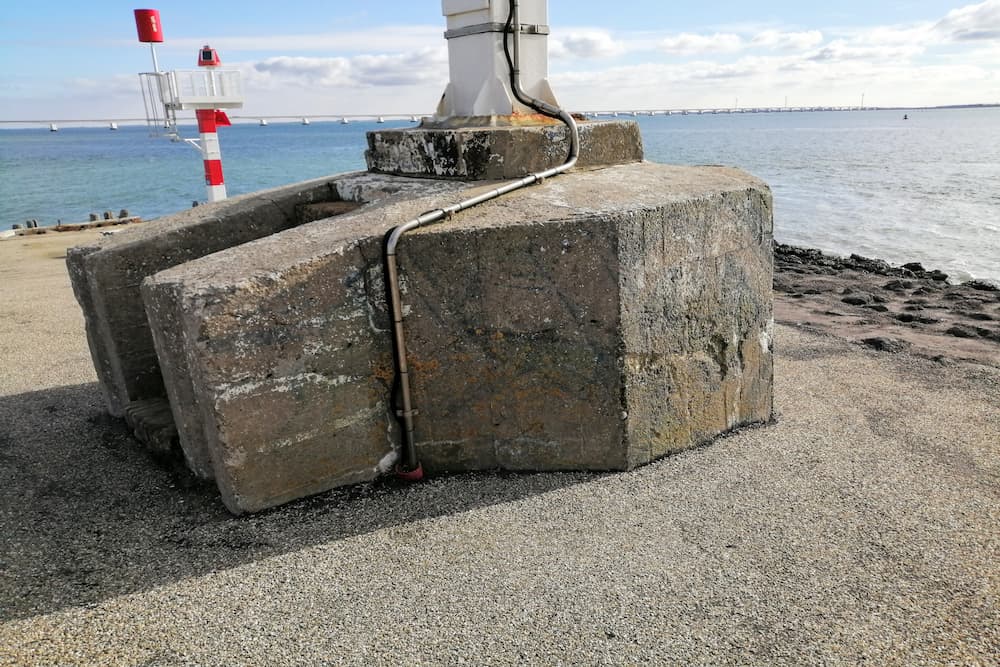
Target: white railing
166,93
160,116
205,89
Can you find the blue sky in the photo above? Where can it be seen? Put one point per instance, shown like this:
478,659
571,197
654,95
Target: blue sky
62,59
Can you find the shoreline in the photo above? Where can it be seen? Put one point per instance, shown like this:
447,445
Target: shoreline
885,307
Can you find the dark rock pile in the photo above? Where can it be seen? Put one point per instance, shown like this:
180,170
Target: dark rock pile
888,308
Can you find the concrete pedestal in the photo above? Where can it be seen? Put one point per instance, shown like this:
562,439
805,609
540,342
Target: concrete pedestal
595,322
521,145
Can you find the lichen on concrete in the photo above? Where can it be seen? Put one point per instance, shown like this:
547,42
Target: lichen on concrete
496,152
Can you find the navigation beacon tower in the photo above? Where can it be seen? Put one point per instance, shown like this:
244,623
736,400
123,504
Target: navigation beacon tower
207,91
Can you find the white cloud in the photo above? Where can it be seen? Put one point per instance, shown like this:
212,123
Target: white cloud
972,23
382,39
793,41
841,50
586,44
424,66
692,44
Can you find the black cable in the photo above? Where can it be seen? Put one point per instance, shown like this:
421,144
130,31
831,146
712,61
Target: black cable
510,67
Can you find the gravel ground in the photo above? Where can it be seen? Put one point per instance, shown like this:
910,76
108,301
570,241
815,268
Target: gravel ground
863,527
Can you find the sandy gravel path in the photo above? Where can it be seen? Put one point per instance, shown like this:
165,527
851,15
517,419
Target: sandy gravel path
864,526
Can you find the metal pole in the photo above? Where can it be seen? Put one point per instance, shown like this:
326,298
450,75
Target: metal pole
156,63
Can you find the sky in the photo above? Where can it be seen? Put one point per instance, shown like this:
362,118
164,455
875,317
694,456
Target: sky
69,59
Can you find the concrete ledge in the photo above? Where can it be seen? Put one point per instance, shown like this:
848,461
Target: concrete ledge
598,321
498,152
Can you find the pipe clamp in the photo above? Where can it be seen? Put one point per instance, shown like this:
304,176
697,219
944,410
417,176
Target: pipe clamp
481,28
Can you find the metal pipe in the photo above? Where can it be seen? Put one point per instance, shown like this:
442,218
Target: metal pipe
156,63
406,413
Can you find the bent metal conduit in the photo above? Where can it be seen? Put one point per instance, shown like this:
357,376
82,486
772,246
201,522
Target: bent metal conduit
409,466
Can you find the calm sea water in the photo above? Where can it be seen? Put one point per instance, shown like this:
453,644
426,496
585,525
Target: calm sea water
925,189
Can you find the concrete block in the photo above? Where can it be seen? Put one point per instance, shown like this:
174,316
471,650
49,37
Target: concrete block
598,321
243,342
498,152
107,273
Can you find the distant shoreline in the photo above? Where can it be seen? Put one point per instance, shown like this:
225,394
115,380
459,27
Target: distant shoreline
400,117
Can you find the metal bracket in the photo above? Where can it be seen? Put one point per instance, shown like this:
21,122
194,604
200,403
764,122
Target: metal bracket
481,28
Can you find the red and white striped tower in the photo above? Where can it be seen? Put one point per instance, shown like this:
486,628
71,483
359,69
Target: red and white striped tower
206,91
215,183
208,122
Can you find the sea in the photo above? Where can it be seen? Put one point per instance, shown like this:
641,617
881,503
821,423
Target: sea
924,188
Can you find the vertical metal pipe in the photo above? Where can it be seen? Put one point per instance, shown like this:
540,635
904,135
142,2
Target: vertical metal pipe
156,63
409,457
515,12
410,462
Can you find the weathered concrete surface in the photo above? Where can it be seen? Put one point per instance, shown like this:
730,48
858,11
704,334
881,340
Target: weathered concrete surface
272,349
107,272
498,152
598,321
106,275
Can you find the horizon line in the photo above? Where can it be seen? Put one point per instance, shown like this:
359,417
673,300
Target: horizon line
407,116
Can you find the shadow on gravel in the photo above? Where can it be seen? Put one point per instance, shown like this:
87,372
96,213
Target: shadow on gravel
86,514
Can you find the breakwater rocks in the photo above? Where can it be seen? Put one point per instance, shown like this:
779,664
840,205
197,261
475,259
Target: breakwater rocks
889,308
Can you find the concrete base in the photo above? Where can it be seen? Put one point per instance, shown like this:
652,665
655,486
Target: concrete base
499,152
596,322
106,275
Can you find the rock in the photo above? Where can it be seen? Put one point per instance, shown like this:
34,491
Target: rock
909,318
960,331
885,344
936,275
869,265
915,267
858,299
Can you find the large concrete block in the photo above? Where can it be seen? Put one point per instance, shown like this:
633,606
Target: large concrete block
598,321
107,274
280,357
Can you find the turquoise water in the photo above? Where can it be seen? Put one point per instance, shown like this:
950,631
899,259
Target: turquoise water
925,189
